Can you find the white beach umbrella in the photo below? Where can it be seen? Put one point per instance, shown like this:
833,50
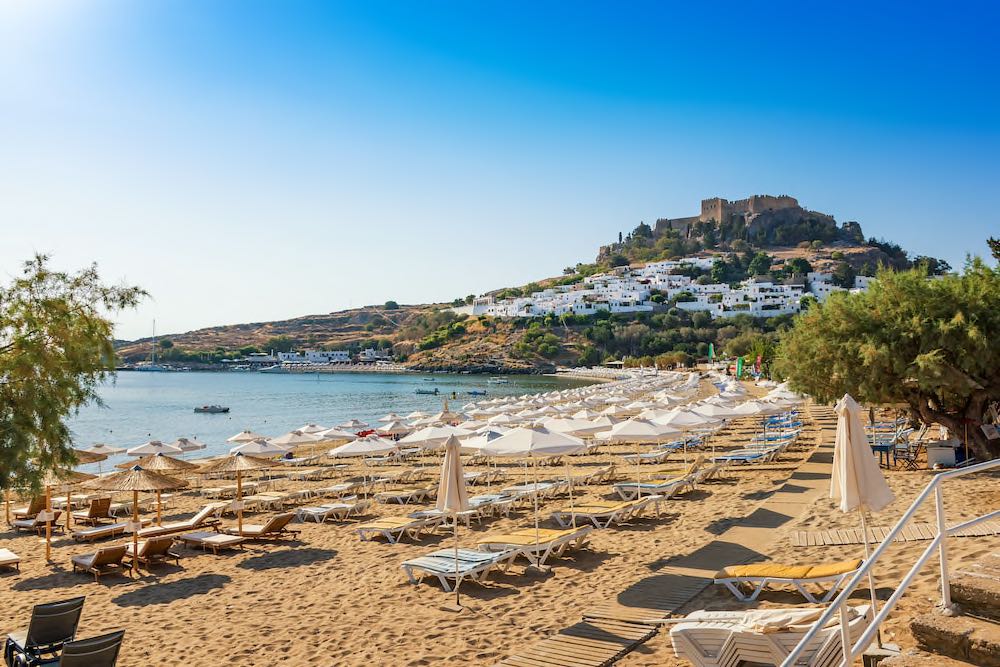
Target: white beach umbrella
259,447
475,444
714,410
433,437
106,450
614,411
311,428
503,418
335,434
638,431
293,439
368,446
857,482
153,447
584,414
452,496
188,444
391,417
246,436
394,428
355,424
683,418
576,427
416,414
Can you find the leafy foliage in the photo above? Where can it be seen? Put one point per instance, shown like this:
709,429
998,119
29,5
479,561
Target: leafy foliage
931,344
55,349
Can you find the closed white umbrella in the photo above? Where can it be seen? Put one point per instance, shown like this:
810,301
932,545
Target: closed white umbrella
259,448
857,482
153,447
452,496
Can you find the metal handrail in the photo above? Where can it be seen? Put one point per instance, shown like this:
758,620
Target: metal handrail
939,543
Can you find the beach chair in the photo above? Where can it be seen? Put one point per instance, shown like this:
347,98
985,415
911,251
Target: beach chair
724,639
664,488
38,522
10,559
658,456
99,510
103,561
208,539
35,505
204,517
758,576
394,529
153,551
406,496
470,565
537,546
52,625
601,475
275,528
344,488
101,651
602,513
103,531
747,456
342,511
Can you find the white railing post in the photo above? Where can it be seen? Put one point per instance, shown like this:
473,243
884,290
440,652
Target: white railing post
943,550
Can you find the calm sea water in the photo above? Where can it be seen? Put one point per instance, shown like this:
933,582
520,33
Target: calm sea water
160,406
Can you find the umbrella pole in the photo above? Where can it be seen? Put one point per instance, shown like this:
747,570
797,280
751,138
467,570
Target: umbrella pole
48,523
535,495
69,513
871,578
458,599
7,494
135,532
239,502
159,511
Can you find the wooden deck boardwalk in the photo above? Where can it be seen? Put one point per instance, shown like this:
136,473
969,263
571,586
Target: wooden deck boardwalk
912,533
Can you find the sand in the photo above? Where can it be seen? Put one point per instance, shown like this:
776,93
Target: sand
330,599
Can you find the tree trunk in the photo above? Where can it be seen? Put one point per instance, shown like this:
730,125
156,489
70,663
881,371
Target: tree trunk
956,423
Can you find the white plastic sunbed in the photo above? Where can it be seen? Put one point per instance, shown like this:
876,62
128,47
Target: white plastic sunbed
394,529
470,564
351,506
664,488
759,576
723,639
604,514
537,546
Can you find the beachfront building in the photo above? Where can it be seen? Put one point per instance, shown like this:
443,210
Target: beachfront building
370,355
632,290
328,356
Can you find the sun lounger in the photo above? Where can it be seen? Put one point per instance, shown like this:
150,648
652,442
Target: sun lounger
154,550
758,576
211,540
103,531
748,456
492,504
38,522
665,488
537,546
71,501
604,514
103,561
601,475
471,565
52,624
406,496
203,518
36,505
101,651
466,517
342,511
396,528
343,489
723,639
10,559
658,456
275,528
99,510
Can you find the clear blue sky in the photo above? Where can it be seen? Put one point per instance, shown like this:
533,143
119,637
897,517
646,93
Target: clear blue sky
246,161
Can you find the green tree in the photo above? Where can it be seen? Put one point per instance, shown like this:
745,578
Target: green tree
843,276
928,343
166,344
760,264
55,350
994,247
390,305
798,265
280,344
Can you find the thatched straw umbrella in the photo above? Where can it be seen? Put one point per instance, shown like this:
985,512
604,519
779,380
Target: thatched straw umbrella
163,464
136,479
63,479
85,457
238,463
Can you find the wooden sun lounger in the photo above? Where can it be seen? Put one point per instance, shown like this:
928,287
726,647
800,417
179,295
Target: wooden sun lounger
36,505
471,565
10,559
99,510
204,518
538,547
211,540
759,576
275,528
38,522
103,561
153,551
103,531
396,528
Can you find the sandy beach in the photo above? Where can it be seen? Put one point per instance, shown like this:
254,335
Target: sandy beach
327,598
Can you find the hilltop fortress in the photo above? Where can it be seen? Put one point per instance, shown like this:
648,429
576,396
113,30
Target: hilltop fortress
722,211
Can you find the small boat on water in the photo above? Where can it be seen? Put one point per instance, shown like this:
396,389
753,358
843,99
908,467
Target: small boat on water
431,392
477,392
498,380
212,409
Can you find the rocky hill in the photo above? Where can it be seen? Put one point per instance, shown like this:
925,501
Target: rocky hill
433,337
